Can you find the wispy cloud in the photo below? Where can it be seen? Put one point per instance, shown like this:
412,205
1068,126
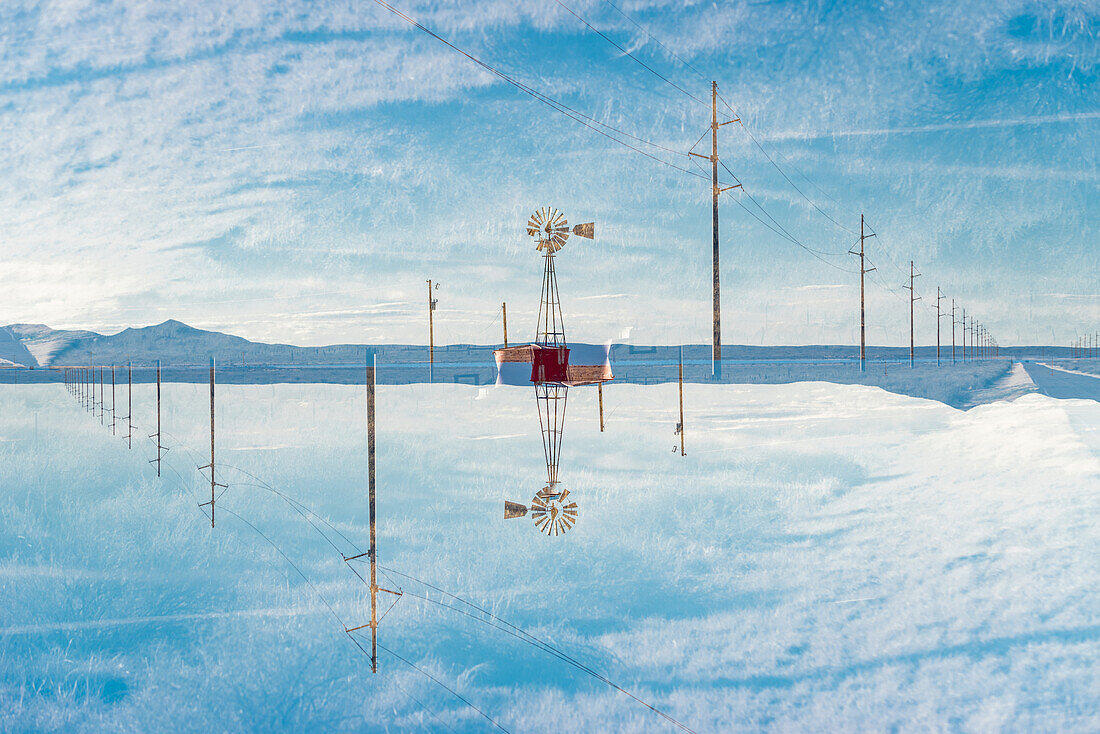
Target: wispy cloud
207,162
1067,118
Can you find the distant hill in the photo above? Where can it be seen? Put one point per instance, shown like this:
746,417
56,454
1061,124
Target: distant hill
177,344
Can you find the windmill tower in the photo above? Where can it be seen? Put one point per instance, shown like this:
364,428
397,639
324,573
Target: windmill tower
549,353
551,231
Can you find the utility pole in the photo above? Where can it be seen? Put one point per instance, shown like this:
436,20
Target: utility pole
953,323
680,425
939,297
431,325
964,334
862,299
504,310
716,352
715,190
913,298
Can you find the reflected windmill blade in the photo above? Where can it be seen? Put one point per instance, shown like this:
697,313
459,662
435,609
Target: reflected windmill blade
513,510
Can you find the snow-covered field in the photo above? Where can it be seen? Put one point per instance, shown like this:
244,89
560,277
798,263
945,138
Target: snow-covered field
826,557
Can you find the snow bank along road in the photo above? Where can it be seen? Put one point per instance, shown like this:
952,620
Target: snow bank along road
1057,383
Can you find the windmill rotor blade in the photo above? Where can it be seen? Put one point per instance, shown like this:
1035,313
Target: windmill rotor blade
534,224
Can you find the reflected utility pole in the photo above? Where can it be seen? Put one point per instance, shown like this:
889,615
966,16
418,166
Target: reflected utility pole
372,552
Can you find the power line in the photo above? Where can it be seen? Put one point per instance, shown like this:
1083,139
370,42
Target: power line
641,63
443,685
656,40
778,228
320,596
561,107
782,172
733,111
515,631
783,232
522,634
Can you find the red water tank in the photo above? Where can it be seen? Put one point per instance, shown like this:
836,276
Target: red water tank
549,364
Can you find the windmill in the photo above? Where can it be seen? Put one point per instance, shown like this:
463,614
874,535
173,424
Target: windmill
551,373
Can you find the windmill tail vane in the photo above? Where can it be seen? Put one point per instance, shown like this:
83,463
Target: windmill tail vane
550,509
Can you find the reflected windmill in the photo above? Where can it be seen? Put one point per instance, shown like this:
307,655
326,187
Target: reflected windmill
551,373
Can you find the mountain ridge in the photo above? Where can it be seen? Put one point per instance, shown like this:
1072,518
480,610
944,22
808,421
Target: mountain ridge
175,342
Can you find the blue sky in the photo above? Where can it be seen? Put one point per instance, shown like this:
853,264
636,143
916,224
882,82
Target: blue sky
295,171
